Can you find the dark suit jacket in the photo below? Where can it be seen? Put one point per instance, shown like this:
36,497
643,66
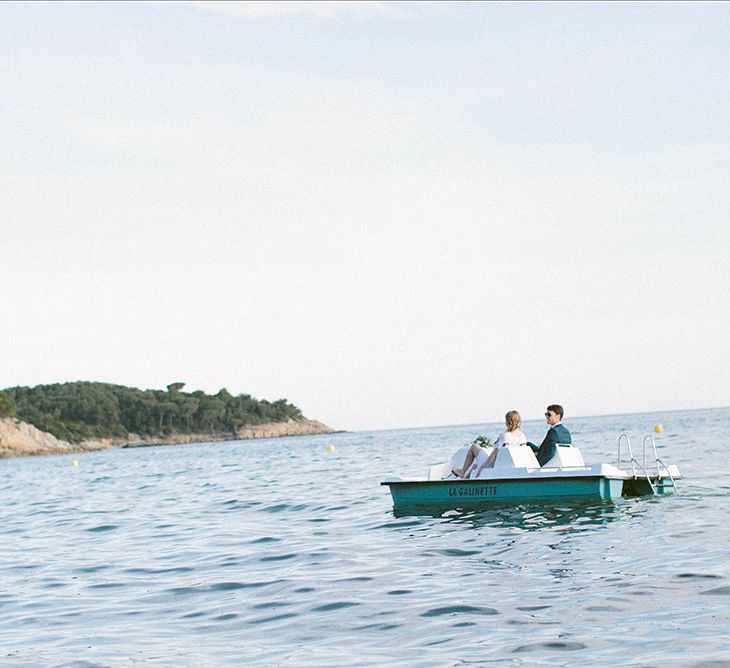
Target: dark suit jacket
548,447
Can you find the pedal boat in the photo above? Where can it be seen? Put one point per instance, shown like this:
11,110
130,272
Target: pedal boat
518,477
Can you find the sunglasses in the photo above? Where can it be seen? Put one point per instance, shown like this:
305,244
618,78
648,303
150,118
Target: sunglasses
549,413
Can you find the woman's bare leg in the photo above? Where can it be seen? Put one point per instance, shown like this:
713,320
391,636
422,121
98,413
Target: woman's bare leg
470,456
487,465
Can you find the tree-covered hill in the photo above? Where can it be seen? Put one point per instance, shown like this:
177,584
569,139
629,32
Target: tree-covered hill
85,410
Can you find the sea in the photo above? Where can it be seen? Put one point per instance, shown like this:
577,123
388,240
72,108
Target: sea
288,552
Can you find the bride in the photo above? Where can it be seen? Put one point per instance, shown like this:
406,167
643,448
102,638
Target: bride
478,458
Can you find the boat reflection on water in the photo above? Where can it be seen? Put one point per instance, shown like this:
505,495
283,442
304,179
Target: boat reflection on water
571,515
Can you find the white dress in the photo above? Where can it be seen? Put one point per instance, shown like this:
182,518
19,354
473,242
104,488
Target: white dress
505,438
510,438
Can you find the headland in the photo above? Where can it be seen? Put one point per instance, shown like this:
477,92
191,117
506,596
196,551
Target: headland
88,416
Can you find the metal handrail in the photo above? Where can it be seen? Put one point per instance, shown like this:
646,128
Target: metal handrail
646,475
631,454
650,438
669,473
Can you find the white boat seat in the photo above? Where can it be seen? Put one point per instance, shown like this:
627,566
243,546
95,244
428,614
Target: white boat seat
566,455
458,459
516,456
439,472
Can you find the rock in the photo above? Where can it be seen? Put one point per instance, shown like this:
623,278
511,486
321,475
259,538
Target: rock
288,428
19,439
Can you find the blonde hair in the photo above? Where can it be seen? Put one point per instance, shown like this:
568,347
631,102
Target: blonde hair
513,420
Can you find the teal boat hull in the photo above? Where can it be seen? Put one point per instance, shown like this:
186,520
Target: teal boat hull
478,493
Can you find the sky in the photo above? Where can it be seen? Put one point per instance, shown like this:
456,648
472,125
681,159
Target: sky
391,214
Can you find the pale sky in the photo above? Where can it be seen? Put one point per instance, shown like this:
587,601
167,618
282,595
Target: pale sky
391,214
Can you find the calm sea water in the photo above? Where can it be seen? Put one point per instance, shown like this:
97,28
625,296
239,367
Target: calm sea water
278,553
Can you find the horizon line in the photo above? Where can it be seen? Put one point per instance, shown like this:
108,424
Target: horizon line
475,424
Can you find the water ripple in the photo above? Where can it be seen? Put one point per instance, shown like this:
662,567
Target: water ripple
205,555
552,646
719,591
458,609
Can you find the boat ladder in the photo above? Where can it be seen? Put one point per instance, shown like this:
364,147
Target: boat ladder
634,462
660,477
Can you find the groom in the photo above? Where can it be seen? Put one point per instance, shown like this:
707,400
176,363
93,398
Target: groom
556,434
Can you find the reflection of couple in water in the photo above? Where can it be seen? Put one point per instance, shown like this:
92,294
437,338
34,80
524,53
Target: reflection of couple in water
479,458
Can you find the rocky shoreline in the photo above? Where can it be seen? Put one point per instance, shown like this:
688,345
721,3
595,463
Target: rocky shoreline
20,439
